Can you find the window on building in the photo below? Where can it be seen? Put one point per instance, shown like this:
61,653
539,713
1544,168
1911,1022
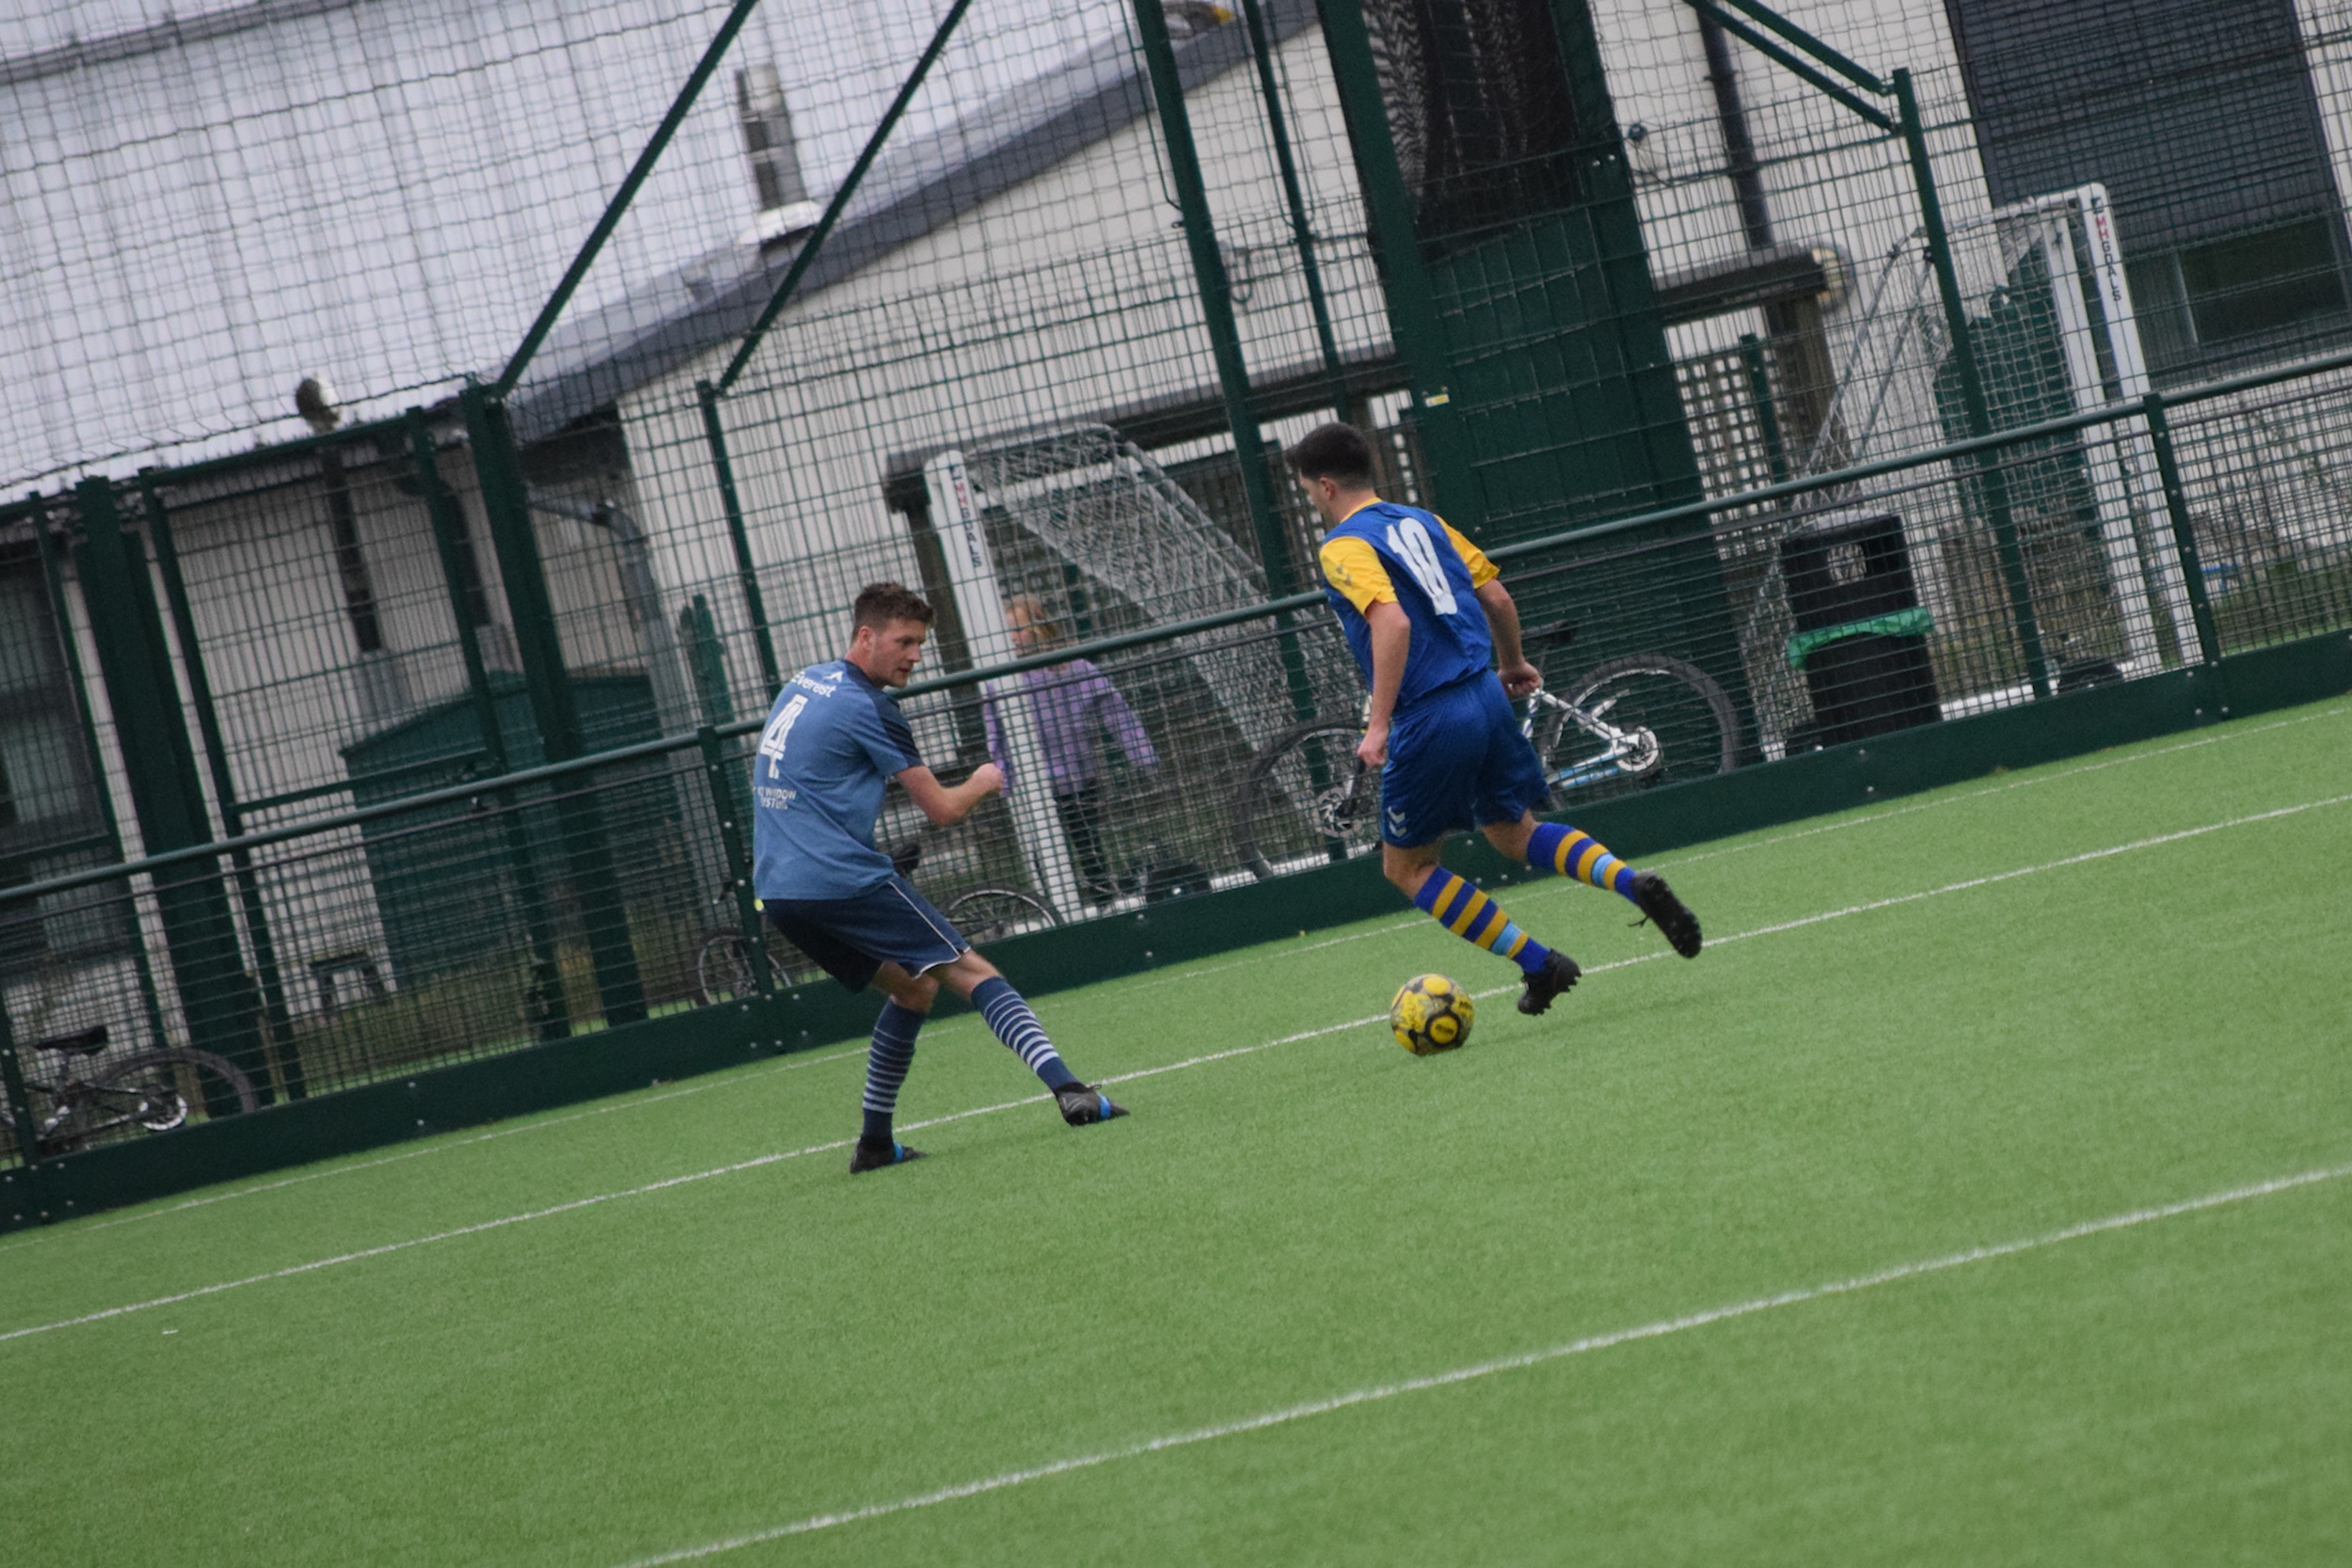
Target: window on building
2200,119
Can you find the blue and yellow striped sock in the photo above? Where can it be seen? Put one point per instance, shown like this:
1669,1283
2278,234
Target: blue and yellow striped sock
1476,918
1576,854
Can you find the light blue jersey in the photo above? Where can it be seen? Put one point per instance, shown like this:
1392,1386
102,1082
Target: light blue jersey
834,741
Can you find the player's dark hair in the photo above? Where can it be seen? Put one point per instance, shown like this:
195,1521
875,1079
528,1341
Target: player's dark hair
1333,451
880,603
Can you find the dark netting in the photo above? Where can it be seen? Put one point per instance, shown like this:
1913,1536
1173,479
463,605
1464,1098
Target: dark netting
1479,108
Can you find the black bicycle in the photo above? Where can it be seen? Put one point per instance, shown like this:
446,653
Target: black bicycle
1633,723
82,1099
724,969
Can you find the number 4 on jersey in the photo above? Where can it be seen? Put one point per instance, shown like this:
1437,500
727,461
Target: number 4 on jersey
771,741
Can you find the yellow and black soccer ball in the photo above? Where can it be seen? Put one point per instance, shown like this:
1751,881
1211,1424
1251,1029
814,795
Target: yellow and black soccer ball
1431,1014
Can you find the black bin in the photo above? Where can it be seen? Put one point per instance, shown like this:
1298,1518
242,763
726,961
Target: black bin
1861,636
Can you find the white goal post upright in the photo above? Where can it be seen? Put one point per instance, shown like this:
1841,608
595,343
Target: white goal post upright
2138,545
981,605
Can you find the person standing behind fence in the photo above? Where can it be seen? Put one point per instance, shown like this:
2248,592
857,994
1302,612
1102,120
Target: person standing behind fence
1073,703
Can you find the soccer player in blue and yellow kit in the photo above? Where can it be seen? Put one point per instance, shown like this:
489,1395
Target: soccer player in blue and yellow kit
833,743
1437,637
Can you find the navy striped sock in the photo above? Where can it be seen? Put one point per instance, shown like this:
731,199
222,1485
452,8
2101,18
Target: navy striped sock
886,1065
1019,1029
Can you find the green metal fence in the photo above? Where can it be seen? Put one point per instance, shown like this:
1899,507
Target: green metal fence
482,915
1800,412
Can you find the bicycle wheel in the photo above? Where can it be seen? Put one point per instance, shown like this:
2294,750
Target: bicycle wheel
1691,727
146,1089
724,973
990,913
1304,793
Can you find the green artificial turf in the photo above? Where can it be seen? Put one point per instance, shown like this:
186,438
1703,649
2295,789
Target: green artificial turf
1802,1105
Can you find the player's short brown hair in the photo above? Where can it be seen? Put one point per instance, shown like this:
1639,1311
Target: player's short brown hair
1333,451
880,603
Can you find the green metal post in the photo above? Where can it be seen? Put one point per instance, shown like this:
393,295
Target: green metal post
714,433
151,1000
216,996
1302,228
1216,310
1990,473
726,807
834,209
1413,320
611,217
20,1102
595,880
1216,297
550,1016
1760,394
290,1073
2184,533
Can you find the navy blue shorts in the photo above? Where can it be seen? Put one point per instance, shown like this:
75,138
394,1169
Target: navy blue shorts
853,937
1456,761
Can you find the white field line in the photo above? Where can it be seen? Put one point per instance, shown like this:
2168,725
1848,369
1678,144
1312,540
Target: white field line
1656,1330
2003,788
439,1146
1527,894
759,1161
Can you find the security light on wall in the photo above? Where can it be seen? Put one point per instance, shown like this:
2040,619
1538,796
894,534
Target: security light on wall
314,400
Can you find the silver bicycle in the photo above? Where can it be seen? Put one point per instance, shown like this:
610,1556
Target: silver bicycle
1633,723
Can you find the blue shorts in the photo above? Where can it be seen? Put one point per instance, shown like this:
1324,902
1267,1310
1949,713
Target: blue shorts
1456,760
853,937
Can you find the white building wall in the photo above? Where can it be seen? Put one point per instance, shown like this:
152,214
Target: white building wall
1052,303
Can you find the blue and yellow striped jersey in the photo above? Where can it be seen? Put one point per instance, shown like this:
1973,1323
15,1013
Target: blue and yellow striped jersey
1384,553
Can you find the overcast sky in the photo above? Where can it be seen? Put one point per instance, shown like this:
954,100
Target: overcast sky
384,192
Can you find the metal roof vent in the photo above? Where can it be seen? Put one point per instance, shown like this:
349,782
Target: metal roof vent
785,209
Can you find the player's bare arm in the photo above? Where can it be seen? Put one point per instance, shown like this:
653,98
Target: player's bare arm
947,804
1392,641
1520,677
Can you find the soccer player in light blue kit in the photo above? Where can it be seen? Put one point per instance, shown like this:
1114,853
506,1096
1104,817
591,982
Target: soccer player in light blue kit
1427,616
834,742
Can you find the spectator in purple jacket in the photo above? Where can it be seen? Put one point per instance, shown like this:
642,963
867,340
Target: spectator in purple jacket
1072,705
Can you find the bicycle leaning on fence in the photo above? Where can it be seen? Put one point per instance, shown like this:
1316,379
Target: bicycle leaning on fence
1631,723
81,1100
724,968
